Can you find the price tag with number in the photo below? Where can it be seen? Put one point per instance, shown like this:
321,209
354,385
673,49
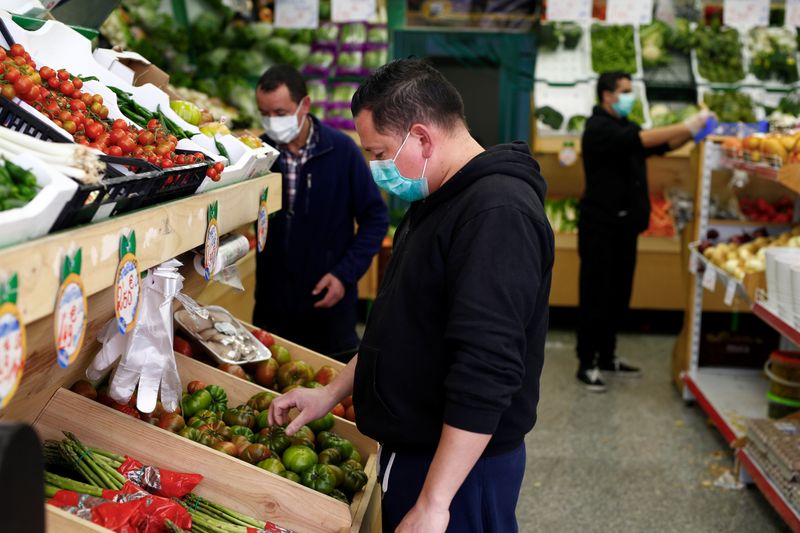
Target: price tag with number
709,278
629,11
730,292
69,318
128,285
352,10
12,341
297,14
211,249
569,10
745,13
262,224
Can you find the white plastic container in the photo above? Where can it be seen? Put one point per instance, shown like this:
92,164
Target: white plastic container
565,66
771,256
37,217
569,100
795,318
785,287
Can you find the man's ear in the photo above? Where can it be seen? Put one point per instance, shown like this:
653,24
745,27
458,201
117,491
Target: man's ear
423,135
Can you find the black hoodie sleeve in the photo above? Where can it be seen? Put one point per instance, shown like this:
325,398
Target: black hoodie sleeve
493,268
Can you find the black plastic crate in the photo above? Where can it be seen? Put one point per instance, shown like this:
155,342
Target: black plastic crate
15,117
176,182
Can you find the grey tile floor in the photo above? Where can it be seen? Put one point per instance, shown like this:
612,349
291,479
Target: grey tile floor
636,458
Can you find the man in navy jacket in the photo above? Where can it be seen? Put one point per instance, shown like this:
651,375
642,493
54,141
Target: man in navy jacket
307,275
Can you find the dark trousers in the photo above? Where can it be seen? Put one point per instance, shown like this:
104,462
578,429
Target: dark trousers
485,503
608,262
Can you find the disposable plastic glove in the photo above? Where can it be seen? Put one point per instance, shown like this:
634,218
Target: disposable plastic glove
113,347
696,122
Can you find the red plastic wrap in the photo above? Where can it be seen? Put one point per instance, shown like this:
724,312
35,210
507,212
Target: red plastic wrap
159,481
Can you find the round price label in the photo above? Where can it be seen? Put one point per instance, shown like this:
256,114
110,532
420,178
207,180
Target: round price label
12,351
70,319
567,156
128,292
262,226
211,249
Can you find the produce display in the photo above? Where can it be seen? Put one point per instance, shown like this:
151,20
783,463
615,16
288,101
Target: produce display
781,211
549,117
222,335
662,115
776,149
613,48
730,106
244,432
719,54
18,186
562,214
744,254
122,494
555,34
576,123
659,39
774,54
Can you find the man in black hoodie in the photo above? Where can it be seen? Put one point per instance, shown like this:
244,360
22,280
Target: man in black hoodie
447,375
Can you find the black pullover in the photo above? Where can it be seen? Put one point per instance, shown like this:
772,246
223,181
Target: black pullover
456,334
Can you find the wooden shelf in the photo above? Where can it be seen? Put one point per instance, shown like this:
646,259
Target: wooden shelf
749,223
569,241
162,232
553,145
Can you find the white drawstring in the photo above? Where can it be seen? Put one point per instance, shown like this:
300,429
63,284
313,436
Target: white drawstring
385,485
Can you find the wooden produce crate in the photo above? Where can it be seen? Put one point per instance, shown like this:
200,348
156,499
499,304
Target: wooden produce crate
228,481
59,521
240,390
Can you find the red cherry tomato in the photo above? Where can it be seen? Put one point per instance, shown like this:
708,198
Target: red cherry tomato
46,73
213,174
63,75
53,83
115,151
12,75
167,163
17,50
2,54
77,82
94,130
219,167
127,145
180,159
152,124
103,113
120,124
66,88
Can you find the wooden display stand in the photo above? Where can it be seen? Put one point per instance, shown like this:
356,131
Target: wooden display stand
659,282
163,232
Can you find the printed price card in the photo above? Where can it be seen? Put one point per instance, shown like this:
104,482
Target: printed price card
730,292
128,285
629,11
297,14
792,13
12,341
262,224
569,10
709,278
211,249
352,10
69,318
745,13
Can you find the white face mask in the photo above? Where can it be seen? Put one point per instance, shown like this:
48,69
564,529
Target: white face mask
282,130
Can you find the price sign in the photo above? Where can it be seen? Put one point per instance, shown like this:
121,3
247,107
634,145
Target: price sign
128,285
792,18
629,11
352,10
297,14
211,249
12,341
262,224
569,10
69,319
710,278
745,13
730,292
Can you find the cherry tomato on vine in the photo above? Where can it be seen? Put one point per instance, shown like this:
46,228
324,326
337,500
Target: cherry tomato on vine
63,75
17,50
219,167
77,82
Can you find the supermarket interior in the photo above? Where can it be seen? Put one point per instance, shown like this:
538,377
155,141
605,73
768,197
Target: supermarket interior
566,231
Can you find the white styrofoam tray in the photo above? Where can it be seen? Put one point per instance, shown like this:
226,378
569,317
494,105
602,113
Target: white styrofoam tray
751,79
565,66
249,162
568,100
637,45
38,216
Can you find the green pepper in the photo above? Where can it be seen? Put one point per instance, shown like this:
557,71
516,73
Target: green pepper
244,431
239,417
5,176
354,480
261,401
221,149
219,398
319,478
192,403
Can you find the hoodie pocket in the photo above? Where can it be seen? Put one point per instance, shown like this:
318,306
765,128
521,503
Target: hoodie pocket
367,385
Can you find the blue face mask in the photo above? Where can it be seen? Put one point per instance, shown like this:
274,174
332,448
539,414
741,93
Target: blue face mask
624,104
387,176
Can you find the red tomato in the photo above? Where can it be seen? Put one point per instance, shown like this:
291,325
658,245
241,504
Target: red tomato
53,83
32,95
219,167
152,159
2,54
213,174
8,91
114,150
163,149
86,98
17,50
66,88
64,116
12,75
23,85
63,75
116,136
94,130
146,138
77,82
167,163
180,159
120,124
103,112
97,98
20,61
46,73
58,123
182,346
52,107
127,145
77,105
69,126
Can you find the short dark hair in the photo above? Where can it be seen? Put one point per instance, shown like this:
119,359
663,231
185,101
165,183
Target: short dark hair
405,92
608,82
287,75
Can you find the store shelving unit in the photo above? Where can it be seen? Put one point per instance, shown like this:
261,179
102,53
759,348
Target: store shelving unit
774,496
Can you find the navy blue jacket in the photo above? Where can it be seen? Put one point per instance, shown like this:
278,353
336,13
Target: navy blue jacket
335,191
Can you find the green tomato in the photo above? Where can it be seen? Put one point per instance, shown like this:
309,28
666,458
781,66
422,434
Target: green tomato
219,398
356,456
239,417
338,474
352,464
271,465
192,403
339,495
275,438
244,431
261,401
262,420
321,424
354,480
190,433
344,446
319,478
323,437
299,458
330,456
288,474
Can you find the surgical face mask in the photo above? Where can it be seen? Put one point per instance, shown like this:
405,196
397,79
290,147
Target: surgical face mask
624,104
387,176
282,130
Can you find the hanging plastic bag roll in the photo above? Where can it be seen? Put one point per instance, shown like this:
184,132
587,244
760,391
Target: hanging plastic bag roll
232,247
